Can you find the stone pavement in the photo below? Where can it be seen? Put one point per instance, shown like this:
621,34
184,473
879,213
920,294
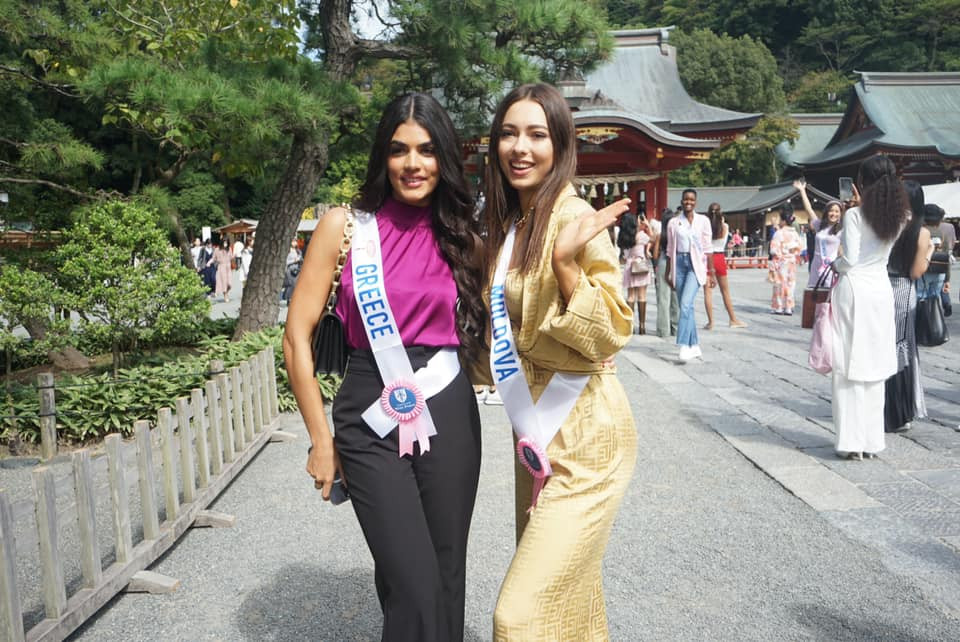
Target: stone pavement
739,523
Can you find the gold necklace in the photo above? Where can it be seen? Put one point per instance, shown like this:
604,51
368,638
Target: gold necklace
523,219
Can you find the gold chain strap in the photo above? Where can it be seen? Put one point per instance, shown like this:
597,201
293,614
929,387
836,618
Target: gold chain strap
345,244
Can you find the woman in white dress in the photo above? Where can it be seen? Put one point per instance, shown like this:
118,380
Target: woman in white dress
864,333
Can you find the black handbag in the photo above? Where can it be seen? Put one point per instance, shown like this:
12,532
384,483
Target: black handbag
939,263
945,302
330,348
931,326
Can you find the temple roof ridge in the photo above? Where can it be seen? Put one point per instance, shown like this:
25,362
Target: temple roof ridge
641,76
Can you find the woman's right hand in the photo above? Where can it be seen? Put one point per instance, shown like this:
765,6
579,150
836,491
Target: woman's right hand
323,464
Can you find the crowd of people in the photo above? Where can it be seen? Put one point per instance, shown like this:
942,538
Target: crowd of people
216,264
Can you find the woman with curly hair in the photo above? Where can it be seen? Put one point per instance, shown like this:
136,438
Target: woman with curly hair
408,301
864,333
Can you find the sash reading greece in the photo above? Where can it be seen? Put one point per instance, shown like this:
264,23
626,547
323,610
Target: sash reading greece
534,424
403,400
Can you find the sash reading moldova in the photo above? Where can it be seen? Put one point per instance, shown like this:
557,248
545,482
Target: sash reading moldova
534,424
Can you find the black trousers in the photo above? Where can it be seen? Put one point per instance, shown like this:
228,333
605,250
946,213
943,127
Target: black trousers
414,510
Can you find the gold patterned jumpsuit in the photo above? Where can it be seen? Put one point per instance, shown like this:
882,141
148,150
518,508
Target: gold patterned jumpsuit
554,589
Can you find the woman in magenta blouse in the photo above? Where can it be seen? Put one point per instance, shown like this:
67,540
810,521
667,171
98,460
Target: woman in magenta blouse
407,430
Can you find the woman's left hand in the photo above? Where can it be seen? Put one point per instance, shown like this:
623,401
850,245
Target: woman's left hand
576,234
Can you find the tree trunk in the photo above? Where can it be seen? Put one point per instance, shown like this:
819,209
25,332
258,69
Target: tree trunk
307,161
65,358
182,241
277,227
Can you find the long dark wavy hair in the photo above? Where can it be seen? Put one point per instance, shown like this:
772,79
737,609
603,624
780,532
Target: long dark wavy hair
882,198
503,201
453,222
628,231
905,249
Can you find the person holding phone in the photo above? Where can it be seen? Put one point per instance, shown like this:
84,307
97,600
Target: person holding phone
557,318
407,442
863,312
826,246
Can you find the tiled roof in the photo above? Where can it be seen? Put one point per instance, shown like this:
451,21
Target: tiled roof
907,111
642,77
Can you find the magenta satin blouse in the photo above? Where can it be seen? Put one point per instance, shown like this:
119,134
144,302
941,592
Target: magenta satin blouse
419,283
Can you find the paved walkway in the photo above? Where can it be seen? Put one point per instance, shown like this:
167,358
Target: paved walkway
740,523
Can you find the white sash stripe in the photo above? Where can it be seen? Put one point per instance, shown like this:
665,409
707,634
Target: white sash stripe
542,421
441,369
378,320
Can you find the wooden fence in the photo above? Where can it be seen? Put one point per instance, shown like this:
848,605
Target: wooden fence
202,448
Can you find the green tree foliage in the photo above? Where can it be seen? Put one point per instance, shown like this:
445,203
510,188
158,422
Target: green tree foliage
738,74
750,160
733,73
28,298
820,35
821,92
121,275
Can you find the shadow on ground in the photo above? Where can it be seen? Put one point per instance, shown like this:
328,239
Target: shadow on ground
826,624
313,603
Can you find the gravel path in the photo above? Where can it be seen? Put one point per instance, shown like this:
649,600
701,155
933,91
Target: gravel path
706,546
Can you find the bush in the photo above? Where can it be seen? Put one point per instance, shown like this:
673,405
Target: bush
123,277
92,406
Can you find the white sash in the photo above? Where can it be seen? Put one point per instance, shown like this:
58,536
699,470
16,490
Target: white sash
403,400
534,424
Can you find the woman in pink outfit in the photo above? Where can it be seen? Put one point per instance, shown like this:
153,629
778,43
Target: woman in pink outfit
785,248
222,259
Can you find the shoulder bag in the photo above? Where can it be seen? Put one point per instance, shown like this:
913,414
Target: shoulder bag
931,326
819,293
939,263
639,266
329,341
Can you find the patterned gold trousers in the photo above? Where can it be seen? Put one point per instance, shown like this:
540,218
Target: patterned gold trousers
553,590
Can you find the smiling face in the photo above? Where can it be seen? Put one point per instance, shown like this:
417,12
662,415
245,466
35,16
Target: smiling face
525,149
689,203
833,214
412,167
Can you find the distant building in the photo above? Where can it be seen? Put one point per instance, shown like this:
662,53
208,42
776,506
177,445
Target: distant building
914,118
636,123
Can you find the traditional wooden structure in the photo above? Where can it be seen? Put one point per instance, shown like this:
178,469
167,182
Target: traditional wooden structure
914,118
636,122
179,469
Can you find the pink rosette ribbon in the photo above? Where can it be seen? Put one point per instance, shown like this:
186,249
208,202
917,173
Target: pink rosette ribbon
403,401
535,460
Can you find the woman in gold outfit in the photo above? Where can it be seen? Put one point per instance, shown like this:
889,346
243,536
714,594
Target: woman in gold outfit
562,294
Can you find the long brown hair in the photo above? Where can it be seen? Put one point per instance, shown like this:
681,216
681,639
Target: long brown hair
502,200
883,202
